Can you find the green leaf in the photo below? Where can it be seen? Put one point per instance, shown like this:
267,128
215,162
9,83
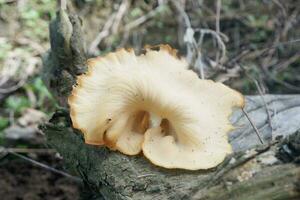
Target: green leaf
17,103
3,123
135,12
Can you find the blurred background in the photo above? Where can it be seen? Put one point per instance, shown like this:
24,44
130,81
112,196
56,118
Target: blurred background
252,46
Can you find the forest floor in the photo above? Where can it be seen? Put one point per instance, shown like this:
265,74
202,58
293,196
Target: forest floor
20,180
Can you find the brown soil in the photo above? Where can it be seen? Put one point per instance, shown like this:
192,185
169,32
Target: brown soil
20,180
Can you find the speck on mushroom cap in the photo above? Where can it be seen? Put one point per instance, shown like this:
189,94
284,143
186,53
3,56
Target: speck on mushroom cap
154,104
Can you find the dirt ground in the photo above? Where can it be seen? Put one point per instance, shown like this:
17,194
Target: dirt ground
21,180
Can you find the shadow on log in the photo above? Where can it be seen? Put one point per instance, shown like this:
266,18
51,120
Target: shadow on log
254,171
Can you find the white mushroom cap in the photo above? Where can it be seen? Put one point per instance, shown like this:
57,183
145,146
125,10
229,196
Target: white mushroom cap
153,103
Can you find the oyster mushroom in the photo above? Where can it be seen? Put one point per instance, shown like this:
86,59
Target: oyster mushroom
153,104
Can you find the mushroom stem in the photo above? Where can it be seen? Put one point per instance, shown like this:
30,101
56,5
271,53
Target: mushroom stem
155,120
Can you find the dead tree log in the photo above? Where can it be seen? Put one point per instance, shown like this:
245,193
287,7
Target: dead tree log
254,171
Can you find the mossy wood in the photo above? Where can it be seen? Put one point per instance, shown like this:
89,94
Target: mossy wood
254,171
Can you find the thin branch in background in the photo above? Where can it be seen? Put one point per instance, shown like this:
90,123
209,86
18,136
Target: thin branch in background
219,38
13,88
37,47
280,66
137,39
219,3
113,23
218,11
144,18
279,4
189,39
253,126
124,40
265,104
63,4
129,27
285,84
45,166
182,13
202,74
145,175
258,52
261,93
101,35
281,33
281,44
17,67
194,47
30,150
121,12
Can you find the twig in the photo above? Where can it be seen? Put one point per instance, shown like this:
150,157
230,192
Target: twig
63,4
253,126
218,36
195,47
104,33
124,40
182,13
219,2
218,10
45,166
145,175
285,84
189,39
283,10
279,44
30,150
24,41
14,87
265,104
13,69
143,18
261,93
122,10
113,22
284,64
250,54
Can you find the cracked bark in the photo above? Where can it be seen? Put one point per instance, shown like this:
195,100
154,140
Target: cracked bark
254,171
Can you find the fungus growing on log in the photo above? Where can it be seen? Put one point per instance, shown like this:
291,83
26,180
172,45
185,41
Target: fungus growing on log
153,104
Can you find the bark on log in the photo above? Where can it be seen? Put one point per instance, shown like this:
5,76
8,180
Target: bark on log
254,171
